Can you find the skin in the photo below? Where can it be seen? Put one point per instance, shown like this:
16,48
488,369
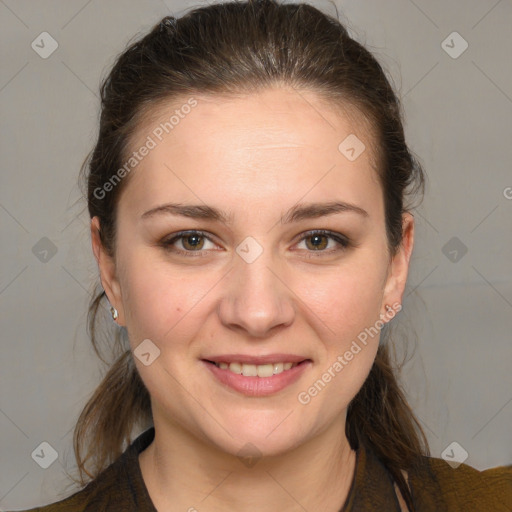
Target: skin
253,157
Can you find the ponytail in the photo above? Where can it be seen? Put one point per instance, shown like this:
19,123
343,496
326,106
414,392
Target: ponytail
119,404
381,417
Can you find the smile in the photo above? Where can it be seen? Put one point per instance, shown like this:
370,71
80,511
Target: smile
257,380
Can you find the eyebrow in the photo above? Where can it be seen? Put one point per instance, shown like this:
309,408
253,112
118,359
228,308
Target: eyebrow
295,214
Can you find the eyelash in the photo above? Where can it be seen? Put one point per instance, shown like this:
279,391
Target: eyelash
343,242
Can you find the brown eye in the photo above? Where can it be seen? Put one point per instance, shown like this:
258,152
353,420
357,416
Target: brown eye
192,242
317,242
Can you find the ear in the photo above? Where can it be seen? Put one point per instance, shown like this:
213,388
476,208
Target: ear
399,266
107,268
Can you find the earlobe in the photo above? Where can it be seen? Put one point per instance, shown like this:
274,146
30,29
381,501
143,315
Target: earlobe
399,264
107,269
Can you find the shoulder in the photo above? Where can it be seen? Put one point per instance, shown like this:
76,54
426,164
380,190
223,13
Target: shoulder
435,483
100,495
96,496
119,487
77,502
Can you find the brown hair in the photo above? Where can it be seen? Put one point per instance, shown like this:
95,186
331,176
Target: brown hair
237,48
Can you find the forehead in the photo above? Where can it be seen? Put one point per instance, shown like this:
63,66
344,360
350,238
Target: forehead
272,116
278,142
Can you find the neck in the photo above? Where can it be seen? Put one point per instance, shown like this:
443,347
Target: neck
182,473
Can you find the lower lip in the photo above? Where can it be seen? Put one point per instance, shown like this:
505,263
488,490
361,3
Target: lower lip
258,386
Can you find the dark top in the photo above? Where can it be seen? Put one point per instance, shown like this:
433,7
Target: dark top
435,487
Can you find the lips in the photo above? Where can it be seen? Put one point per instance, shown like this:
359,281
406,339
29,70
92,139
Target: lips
257,375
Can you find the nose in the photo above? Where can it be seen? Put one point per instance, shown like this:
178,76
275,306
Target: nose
256,300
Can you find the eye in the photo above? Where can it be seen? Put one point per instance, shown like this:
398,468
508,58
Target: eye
191,242
317,241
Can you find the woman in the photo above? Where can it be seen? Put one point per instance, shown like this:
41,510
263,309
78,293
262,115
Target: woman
248,198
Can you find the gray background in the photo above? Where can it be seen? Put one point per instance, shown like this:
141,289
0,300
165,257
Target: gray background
458,121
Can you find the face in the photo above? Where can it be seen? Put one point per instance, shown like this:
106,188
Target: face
271,282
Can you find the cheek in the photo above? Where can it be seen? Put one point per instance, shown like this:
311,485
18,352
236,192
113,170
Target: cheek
348,300
349,305
157,297
350,308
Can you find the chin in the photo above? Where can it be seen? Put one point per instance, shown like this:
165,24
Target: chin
253,437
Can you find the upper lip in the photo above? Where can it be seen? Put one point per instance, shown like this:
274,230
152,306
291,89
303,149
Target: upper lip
248,359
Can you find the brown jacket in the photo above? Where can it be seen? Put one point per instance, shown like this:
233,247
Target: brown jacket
436,487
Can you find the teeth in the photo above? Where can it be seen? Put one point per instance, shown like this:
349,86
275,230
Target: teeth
249,370
235,368
256,370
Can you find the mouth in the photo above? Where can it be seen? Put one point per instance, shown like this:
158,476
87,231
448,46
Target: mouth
257,380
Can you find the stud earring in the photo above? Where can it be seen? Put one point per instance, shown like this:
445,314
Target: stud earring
389,314
114,313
